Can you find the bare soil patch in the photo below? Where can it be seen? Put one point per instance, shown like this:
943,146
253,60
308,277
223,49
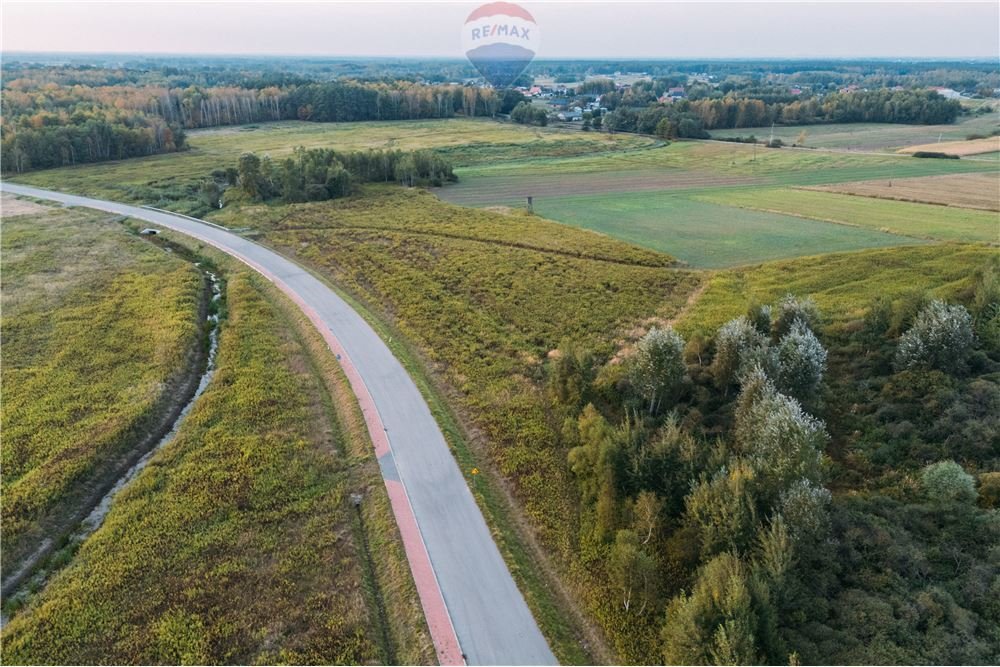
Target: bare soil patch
11,206
974,147
977,191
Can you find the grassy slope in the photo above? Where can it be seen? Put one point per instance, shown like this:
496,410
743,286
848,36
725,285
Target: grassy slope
907,218
237,543
98,327
844,285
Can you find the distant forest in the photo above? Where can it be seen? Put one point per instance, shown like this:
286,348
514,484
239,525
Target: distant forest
59,110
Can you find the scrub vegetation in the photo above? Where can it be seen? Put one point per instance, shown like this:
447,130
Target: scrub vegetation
100,332
238,543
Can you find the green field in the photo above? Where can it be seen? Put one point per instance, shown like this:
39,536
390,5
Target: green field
707,235
238,543
707,203
870,136
909,219
100,331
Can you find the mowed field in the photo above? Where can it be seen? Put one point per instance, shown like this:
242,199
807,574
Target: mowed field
909,219
878,137
977,191
713,205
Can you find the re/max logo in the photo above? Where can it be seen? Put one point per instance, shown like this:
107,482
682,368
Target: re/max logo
500,30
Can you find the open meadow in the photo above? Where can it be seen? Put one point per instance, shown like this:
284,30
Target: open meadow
238,543
101,335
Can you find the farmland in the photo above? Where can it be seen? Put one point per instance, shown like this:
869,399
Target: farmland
238,543
903,218
978,191
877,137
960,148
705,234
707,203
100,336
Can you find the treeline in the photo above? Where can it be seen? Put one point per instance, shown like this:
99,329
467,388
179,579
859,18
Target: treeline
56,140
354,101
65,116
692,118
319,174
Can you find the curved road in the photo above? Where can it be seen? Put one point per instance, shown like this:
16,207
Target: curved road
473,607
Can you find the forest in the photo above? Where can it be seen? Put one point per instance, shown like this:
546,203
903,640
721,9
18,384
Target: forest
66,116
638,110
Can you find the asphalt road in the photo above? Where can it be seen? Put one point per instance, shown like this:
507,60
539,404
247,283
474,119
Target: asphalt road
489,615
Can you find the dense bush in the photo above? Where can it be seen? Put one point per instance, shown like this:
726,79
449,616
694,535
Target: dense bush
948,482
941,338
657,369
800,362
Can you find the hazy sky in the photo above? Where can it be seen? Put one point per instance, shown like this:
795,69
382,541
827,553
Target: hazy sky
599,29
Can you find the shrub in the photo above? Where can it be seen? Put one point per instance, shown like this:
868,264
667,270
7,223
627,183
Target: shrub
946,481
738,347
658,366
790,310
805,509
935,154
989,490
940,338
800,362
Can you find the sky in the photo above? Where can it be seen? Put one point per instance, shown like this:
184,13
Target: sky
568,29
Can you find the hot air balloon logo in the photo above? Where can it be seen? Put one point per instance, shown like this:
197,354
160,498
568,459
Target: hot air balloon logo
500,39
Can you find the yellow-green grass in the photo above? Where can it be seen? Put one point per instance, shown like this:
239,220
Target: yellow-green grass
157,179
708,235
907,218
99,330
237,544
774,166
483,314
844,285
870,136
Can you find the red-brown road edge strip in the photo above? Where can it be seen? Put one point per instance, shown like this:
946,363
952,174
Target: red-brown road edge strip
449,652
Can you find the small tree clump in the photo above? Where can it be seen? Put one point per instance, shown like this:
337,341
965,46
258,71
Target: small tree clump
790,310
658,366
800,362
738,347
805,509
941,338
946,481
782,442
